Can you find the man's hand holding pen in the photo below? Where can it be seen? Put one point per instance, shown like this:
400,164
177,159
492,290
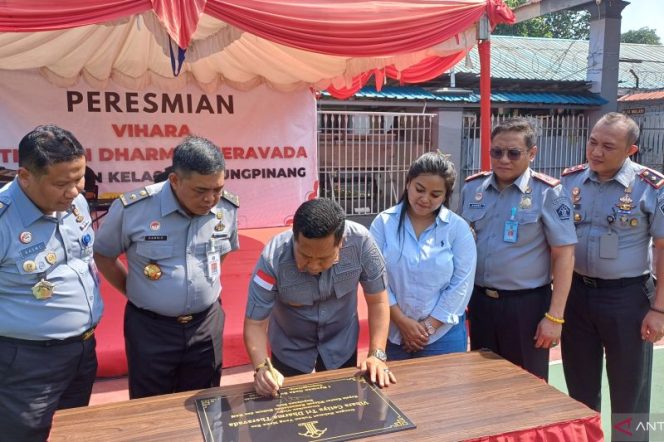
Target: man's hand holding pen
267,379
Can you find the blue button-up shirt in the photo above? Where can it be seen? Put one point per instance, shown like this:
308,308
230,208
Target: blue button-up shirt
431,275
158,231
544,215
597,212
28,235
314,315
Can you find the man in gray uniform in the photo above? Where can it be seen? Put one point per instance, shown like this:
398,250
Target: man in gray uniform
525,235
49,291
618,208
175,235
305,287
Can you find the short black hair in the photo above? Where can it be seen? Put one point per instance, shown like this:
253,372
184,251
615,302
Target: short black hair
520,125
633,130
197,154
319,218
46,145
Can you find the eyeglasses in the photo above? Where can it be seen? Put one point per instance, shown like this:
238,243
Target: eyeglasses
512,153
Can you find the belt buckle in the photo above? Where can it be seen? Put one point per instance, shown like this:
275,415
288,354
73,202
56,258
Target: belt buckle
184,319
590,282
88,334
492,293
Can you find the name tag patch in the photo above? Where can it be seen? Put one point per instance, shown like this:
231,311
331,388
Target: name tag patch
156,237
32,250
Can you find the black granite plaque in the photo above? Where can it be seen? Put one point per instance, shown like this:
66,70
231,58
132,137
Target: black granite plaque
334,410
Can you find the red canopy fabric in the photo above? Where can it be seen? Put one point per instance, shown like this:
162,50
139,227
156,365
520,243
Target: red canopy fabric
345,28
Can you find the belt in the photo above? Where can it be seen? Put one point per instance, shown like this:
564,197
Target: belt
605,283
50,342
182,319
497,293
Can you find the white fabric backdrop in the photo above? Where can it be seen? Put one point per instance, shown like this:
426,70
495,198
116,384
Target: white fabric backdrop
132,52
268,137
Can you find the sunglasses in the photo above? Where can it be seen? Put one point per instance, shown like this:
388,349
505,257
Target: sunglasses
512,153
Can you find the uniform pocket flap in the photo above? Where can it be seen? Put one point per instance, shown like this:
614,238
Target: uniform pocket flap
154,251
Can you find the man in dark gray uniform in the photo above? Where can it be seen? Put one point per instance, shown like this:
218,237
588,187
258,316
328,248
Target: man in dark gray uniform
525,236
618,209
49,292
305,287
175,235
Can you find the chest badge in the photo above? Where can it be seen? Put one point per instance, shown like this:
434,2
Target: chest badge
479,196
25,237
29,266
86,239
152,271
625,203
43,289
526,202
154,226
51,258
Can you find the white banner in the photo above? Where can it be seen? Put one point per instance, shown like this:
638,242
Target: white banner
268,138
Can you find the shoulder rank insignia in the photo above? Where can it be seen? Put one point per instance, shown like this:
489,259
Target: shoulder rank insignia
130,198
4,203
231,198
478,175
575,169
546,179
652,177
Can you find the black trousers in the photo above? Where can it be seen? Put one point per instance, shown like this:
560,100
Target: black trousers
507,325
164,356
607,321
287,370
36,380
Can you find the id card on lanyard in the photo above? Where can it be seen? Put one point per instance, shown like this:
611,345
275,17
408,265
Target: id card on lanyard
213,261
511,229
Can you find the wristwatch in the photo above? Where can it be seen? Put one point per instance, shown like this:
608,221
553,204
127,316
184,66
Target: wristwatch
429,326
378,353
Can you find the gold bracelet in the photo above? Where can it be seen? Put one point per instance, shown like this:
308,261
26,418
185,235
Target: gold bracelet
554,319
261,365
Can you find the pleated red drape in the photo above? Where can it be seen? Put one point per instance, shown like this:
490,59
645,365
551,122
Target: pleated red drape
348,28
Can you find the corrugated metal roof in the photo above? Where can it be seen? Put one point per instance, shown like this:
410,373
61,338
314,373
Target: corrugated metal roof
553,59
419,93
655,95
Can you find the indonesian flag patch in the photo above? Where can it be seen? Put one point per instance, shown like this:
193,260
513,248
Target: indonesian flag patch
264,280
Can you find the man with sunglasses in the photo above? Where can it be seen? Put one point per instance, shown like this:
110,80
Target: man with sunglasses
525,235
618,211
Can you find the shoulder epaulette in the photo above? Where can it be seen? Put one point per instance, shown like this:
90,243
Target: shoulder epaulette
546,179
652,177
478,175
231,198
134,196
575,169
4,203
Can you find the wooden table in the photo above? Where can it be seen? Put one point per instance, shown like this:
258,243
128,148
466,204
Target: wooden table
450,397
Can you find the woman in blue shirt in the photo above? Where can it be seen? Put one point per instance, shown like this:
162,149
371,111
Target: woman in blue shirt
430,256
